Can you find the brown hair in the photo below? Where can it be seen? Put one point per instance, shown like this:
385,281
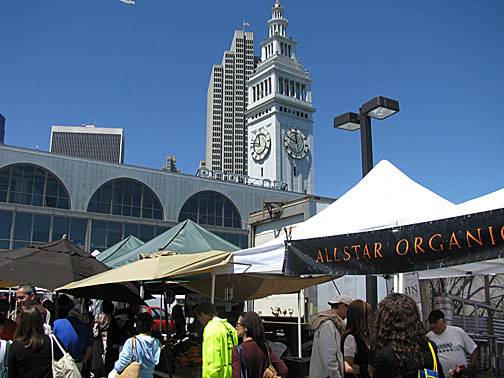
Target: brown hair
254,328
30,327
398,324
359,320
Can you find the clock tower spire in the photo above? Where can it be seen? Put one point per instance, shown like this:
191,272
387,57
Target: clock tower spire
279,112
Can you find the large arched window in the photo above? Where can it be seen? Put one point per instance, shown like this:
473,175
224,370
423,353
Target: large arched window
211,208
32,185
126,197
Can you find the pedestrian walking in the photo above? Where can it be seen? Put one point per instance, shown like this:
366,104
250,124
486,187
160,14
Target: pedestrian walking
30,353
453,345
400,347
327,357
254,355
357,339
219,339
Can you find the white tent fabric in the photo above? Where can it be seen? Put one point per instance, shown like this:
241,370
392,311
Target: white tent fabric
386,197
491,201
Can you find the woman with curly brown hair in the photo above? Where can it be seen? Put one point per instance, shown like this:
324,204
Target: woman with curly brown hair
400,348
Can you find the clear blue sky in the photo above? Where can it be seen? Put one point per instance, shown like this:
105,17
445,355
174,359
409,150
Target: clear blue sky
145,68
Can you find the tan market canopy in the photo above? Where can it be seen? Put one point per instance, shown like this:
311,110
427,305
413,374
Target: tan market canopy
254,286
162,265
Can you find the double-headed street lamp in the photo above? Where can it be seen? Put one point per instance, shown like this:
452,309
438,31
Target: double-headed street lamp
379,108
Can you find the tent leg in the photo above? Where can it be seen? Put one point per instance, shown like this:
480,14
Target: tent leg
56,306
142,290
299,325
212,292
165,304
399,283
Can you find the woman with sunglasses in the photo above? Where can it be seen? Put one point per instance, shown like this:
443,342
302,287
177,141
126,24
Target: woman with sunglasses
254,354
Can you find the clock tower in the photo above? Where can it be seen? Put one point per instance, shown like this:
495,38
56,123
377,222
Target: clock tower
279,112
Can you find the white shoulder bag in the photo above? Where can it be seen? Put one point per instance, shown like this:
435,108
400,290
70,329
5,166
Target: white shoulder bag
65,367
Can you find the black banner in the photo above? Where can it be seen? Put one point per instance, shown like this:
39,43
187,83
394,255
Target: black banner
446,242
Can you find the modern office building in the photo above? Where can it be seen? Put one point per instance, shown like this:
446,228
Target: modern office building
2,129
88,142
226,131
97,204
279,112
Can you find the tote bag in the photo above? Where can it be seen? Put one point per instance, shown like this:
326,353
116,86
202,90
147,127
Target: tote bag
270,371
133,368
65,367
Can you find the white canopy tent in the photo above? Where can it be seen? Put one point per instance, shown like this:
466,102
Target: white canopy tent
386,197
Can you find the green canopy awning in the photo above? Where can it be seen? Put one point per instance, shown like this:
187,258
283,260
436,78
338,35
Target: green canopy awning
119,249
186,237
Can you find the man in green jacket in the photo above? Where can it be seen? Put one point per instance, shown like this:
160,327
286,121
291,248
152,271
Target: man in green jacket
219,338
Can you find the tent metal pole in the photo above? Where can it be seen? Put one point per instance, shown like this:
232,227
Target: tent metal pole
299,325
212,292
165,306
400,278
142,290
56,306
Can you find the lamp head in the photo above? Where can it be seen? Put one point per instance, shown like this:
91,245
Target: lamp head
347,121
380,107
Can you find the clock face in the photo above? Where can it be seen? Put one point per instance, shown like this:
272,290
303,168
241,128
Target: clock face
261,145
295,143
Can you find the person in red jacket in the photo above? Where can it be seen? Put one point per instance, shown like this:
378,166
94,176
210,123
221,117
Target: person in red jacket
254,354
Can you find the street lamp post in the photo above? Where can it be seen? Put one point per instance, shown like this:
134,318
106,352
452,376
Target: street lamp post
379,108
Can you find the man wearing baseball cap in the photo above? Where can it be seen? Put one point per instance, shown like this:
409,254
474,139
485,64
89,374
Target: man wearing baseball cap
327,358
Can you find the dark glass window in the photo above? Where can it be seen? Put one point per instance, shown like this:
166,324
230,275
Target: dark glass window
132,229
211,208
41,226
78,228
146,232
105,234
161,229
23,227
31,185
126,197
239,240
5,228
61,226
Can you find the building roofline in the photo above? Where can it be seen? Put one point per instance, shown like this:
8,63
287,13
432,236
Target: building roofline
134,167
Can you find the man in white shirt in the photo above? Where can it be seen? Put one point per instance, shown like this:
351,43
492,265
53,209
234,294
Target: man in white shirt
453,344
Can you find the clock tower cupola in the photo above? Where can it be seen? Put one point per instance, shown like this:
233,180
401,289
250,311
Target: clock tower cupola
279,112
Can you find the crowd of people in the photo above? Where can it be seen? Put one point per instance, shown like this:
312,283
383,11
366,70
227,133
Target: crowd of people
99,347
349,342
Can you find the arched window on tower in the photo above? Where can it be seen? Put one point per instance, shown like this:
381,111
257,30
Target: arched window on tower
29,184
211,208
126,197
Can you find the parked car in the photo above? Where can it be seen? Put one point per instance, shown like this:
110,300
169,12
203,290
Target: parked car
158,314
